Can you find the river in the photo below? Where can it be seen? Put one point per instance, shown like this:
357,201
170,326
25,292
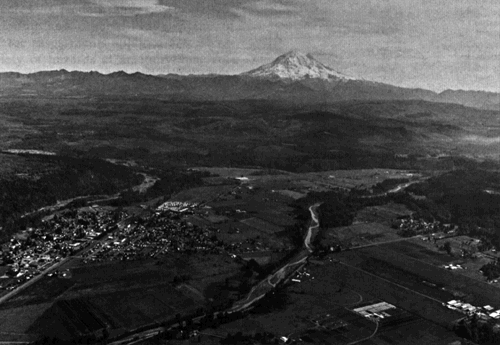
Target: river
270,282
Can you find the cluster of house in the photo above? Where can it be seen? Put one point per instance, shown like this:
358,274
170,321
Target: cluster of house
177,206
409,226
158,233
485,312
302,275
37,249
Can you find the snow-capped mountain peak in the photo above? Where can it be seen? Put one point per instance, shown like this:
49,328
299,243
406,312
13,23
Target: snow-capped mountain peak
296,66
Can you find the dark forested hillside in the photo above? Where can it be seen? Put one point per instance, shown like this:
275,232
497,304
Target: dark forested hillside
469,198
270,134
66,179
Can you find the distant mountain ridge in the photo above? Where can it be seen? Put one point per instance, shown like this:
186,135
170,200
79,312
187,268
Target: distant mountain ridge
292,77
296,66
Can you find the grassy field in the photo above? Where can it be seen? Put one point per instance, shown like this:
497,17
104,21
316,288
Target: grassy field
123,295
228,172
383,214
17,320
362,177
202,194
460,286
415,331
296,317
360,234
293,184
262,225
420,250
45,290
119,310
326,298
398,295
291,194
429,252
235,231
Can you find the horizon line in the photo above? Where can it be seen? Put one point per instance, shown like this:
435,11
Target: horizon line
222,75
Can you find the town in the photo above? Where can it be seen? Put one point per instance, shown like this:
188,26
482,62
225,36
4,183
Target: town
59,236
410,226
99,234
159,233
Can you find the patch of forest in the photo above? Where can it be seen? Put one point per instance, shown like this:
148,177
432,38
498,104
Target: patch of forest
469,198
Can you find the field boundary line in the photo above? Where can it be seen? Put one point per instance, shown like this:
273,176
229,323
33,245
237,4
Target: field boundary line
367,338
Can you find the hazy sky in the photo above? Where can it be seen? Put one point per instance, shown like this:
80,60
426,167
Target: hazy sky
435,44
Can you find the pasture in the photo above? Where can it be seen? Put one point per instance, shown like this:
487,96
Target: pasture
262,225
360,234
120,295
383,214
459,286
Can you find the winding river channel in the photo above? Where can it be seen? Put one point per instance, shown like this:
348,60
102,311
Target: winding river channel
270,282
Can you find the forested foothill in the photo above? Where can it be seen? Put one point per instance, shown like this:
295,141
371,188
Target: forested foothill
63,179
47,180
467,198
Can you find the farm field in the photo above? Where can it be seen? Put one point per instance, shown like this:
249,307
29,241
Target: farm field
360,234
236,231
429,252
119,310
383,214
251,239
230,204
17,320
269,206
420,250
314,181
327,297
262,225
227,172
392,264
202,194
295,315
262,258
412,331
123,295
363,177
415,302
291,194
45,290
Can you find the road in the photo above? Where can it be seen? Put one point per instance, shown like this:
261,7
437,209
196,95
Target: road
57,265
385,242
32,280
